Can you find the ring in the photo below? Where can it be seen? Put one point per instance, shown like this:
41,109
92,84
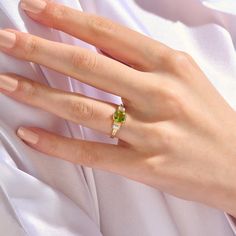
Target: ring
119,118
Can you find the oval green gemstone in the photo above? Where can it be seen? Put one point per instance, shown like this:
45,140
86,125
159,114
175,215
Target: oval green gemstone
119,116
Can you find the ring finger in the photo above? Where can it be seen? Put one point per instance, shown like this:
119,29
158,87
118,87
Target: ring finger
75,107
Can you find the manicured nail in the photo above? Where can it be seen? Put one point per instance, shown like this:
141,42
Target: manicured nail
28,135
7,39
8,83
34,6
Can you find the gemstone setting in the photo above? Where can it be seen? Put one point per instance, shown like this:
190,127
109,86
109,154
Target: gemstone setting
119,115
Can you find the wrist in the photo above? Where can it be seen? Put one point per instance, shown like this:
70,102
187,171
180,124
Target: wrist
227,181
224,196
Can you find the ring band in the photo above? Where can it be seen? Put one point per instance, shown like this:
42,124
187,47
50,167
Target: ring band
119,118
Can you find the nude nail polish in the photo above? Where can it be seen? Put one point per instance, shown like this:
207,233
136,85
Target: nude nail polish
7,39
34,6
8,83
28,135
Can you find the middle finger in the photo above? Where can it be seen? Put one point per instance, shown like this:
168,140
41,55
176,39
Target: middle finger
87,66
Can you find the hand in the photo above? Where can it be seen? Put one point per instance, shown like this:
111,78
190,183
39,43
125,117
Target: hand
179,135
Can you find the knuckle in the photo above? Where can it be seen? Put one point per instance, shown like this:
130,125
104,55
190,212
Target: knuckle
172,95
180,64
176,108
30,46
52,146
166,139
100,25
84,60
28,88
175,104
162,52
58,14
81,111
87,155
180,59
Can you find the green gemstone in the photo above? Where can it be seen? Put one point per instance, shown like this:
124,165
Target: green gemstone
119,116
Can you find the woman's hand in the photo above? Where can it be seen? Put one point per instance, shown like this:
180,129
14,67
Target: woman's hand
180,134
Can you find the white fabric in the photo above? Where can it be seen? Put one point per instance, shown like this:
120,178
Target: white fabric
42,195
228,6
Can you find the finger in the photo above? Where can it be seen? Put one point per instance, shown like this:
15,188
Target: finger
80,109
87,66
131,47
92,154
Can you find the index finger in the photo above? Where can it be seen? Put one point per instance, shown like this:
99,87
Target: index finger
122,43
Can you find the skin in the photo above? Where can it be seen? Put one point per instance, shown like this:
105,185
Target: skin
176,138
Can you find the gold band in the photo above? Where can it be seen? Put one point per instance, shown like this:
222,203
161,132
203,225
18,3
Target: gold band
115,128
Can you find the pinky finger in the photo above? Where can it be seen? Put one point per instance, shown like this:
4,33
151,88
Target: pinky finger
108,157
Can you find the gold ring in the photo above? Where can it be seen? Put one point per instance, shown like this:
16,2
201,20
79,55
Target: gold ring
119,118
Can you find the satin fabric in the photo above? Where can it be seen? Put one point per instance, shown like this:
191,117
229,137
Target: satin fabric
42,195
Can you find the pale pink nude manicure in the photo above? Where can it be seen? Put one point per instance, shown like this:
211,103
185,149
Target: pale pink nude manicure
28,135
8,83
34,6
7,39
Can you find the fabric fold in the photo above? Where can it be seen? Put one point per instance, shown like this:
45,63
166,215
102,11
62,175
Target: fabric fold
33,208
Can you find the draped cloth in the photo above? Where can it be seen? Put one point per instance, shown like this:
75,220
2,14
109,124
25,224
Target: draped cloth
42,195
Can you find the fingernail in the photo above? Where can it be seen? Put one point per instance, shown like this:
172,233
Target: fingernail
34,6
28,135
8,83
7,39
